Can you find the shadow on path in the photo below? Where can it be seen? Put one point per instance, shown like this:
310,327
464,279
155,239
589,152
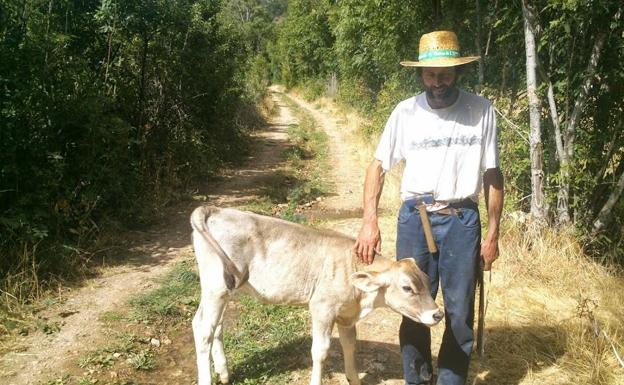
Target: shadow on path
505,363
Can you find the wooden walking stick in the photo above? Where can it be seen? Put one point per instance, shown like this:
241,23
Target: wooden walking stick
481,312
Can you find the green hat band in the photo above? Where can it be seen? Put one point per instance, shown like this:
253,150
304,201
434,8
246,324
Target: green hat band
438,53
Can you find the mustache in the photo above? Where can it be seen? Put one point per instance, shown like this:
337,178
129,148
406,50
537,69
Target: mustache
439,92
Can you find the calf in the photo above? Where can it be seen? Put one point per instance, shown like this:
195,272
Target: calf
286,263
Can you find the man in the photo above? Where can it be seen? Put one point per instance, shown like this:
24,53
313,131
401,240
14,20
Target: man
448,140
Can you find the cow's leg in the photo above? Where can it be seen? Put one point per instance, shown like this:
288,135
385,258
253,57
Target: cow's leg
218,355
347,341
321,337
205,325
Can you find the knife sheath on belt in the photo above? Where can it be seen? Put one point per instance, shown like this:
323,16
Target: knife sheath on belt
424,217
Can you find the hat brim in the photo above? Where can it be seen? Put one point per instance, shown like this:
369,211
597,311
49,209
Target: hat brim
441,62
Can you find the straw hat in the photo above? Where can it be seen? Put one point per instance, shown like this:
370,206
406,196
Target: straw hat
439,49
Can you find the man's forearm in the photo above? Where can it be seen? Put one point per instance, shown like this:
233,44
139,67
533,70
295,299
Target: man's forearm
373,186
493,186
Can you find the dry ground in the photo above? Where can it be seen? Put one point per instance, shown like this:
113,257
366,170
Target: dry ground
535,331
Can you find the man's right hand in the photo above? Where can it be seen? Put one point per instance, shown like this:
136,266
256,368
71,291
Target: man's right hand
368,242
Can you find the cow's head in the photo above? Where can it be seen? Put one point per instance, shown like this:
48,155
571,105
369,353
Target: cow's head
404,288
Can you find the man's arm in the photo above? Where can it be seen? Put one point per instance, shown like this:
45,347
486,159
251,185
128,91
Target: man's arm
368,241
494,196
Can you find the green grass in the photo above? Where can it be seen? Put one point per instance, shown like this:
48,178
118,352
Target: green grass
64,380
143,360
122,345
267,342
303,177
111,316
262,206
179,291
86,380
153,313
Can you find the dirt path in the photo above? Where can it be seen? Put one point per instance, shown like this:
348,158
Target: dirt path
378,354
148,255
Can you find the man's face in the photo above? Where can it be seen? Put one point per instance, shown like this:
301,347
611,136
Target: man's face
439,83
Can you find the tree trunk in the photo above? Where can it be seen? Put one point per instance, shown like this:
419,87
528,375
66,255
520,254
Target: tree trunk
565,161
538,207
606,213
478,46
602,188
437,11
146,39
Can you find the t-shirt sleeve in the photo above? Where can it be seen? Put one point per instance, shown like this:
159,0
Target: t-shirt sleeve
389,150
490,140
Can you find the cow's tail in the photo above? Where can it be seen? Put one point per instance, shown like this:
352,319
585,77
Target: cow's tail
231,275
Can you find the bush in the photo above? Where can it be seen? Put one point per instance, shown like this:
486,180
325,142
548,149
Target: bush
112,110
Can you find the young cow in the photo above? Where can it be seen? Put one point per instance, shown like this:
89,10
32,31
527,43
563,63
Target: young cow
285,263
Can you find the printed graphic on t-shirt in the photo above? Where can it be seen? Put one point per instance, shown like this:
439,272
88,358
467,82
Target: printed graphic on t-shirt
446,142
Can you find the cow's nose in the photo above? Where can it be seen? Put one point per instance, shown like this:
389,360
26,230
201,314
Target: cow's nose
437,317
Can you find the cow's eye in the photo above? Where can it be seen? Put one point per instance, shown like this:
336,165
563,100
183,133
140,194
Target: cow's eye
407,289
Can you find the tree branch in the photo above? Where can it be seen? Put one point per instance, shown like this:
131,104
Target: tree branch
606,213
581,100
613,145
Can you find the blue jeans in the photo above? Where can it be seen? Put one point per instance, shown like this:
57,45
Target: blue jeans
453,267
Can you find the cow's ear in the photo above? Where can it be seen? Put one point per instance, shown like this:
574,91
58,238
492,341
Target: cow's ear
367,282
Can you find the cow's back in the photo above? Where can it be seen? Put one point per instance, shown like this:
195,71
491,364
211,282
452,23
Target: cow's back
285,262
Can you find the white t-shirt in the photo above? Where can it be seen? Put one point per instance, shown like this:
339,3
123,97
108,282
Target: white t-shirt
445,150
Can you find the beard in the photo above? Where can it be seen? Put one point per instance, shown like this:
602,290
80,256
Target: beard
443,95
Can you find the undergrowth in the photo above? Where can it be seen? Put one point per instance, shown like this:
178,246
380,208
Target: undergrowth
553,311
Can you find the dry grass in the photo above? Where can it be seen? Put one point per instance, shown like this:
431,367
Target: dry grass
545,298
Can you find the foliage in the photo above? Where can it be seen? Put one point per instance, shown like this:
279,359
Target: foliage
304,41
371,40
367,41
110,111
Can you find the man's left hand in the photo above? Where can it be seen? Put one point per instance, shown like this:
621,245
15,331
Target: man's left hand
489,253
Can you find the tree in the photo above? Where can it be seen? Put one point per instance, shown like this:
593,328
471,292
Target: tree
538,207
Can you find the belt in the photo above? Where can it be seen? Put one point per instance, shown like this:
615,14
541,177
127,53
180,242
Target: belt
448,211
454,208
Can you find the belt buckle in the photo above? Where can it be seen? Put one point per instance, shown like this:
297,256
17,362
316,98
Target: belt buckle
424,199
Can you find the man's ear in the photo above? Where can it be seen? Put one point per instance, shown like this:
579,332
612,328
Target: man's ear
367,282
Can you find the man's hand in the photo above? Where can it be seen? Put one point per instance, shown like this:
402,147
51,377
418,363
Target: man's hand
489,253
368,242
